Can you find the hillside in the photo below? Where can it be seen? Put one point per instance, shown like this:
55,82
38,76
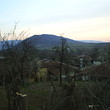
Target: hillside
92,41
47,42
14,42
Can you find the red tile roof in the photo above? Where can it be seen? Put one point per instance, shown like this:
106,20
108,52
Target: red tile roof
99,70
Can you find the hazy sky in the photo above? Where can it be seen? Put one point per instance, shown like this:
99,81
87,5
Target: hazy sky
77,19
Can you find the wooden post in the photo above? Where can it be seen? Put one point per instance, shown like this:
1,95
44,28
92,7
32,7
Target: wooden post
23,99
24,102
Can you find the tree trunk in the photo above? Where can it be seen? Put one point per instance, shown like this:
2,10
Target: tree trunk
61,72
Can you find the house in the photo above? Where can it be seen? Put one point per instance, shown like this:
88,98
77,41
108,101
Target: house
42,74
82,61
96,73
53,69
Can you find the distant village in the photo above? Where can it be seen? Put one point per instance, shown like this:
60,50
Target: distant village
85,69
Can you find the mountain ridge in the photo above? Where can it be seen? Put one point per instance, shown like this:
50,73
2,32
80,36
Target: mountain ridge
48,41
92,41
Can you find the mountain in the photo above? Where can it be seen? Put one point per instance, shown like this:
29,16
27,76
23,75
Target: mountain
14,42
47,41
92,41
0,45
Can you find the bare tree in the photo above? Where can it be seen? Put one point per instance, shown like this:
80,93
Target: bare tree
61,51
35,67
16,57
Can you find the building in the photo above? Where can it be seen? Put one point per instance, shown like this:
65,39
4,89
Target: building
82,61
95,73
53,70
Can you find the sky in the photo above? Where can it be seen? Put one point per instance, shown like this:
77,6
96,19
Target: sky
75,19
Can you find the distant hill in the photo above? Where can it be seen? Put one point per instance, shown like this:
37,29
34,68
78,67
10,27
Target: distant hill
0,45
48,41
92,41
14,42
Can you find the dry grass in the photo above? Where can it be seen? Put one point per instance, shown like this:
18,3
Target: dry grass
3,99
40,97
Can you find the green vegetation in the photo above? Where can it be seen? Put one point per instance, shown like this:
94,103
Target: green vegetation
3,99
39,96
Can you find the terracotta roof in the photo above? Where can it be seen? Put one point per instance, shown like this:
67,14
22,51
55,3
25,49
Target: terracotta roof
54,67
99,70
86,57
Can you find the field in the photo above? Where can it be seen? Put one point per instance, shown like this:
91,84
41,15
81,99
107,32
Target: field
40,96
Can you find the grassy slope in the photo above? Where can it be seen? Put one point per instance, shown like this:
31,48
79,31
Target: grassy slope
3,99
39,95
